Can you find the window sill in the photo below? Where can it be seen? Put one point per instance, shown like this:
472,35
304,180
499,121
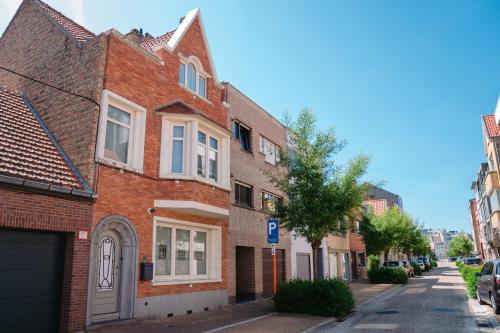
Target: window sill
118,165
178,281
198,179
194,93
243,206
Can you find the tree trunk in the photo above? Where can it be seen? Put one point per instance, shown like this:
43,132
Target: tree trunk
315,246
386,258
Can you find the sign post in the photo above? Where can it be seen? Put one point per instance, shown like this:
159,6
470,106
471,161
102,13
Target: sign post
273,238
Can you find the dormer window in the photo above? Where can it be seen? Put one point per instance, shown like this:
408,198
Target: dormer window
192,76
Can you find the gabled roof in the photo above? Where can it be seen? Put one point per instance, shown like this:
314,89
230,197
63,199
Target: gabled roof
171,39
71,27
151,44
492,129
27,150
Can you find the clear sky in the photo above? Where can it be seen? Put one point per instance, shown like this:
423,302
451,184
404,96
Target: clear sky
402,81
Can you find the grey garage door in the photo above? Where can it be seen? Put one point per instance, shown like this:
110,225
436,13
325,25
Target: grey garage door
304,266
31,267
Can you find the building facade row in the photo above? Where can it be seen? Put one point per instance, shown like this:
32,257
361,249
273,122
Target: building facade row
484,208
150,194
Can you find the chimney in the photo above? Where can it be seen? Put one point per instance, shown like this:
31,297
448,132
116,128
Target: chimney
135,36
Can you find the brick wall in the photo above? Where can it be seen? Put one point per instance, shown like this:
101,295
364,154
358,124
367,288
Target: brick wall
49,55
147,82
30,211
248,226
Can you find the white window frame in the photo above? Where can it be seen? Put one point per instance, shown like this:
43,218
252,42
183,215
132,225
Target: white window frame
193,124
135,157
183,125
213,252
200,73
266,154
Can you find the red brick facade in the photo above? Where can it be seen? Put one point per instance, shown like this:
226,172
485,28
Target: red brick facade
40,212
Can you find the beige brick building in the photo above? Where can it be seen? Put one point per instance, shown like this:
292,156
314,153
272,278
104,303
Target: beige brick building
257,136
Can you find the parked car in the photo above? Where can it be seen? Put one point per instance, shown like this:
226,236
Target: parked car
473,261
453,259
488,285
392,264
419,263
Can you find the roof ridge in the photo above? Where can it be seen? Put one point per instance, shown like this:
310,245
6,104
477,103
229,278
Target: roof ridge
55,15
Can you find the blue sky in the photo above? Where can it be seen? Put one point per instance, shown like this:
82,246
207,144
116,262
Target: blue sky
402,81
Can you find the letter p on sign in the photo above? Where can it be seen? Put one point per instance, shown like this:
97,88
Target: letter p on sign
272,231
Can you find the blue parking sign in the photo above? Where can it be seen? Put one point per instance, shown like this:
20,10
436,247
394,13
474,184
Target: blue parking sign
272,231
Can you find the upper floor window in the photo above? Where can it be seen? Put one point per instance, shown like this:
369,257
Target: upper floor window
207,156
242,134
121,132
269,201
192,148
243,194
192,76
270,150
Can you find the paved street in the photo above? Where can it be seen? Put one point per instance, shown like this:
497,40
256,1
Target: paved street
247,317
433,303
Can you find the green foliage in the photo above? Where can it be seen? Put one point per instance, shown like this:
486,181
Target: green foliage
416,269
327,297
460,246
373,262
322,197
434,263
388,275
427,266
468,274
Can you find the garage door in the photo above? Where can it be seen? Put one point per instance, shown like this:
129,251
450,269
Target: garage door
304,266
31,266
267,270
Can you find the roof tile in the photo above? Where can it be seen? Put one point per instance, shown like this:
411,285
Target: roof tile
26,151
491,126
74,29
150,44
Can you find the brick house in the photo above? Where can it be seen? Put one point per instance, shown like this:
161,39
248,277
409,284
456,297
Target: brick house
257,139
143,119
45,218
379,200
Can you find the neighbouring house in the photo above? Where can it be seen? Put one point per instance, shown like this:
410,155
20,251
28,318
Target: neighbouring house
358,252
339,261
486,187
45,222
378,200
256,141
302,259
476,235
143,120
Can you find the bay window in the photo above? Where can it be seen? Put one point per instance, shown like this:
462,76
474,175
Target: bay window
185,251
193,148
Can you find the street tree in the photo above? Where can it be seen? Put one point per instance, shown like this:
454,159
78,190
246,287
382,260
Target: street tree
322,197
460,246
388,230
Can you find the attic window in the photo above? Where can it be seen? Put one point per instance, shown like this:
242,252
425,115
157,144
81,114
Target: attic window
191,76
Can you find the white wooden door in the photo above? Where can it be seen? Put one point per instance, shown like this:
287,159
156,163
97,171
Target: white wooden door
107,277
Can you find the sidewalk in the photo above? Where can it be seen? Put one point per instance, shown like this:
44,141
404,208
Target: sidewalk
247,317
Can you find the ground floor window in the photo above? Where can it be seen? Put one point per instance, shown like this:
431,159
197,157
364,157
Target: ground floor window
185,251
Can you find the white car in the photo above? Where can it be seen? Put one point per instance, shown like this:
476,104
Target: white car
420,263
